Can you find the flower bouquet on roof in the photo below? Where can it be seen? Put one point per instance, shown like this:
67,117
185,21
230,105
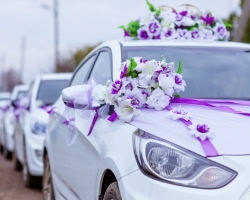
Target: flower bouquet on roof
187,23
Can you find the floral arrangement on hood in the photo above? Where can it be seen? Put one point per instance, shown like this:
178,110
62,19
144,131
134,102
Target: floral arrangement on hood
142,84
183,24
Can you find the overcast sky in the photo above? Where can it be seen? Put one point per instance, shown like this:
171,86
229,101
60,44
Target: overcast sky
81,22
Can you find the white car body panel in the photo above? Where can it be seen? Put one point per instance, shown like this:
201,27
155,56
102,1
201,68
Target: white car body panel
25,139
77,169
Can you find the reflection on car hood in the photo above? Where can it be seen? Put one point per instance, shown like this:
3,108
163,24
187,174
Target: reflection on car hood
231,131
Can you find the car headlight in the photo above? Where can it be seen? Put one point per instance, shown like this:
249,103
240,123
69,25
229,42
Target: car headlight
170,163
38,127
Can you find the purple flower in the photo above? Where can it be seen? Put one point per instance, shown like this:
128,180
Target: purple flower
179,112
168,34
153,27
126,34
208,19
129,86
183,13
178,80
124,72
202,128
143,61
116,86
143,34
195,34
134,101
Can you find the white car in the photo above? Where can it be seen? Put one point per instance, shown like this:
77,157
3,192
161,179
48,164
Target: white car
10,119
31,127
121,161
4,106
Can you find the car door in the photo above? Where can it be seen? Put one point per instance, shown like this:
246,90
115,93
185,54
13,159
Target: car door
61,159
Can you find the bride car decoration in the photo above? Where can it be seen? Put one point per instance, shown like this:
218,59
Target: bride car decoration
177,24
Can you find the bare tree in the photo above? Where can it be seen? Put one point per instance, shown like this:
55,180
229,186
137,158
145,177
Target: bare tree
9,78
245,16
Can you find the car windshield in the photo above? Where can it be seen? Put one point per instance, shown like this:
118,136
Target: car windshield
50,90
210,73
21,94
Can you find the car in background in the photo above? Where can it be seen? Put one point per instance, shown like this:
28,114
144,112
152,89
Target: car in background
4,106
31,127
10,118
118,161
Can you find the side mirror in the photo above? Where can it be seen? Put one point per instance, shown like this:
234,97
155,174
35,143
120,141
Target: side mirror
76,96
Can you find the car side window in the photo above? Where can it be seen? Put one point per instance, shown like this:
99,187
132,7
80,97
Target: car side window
82,74
101,71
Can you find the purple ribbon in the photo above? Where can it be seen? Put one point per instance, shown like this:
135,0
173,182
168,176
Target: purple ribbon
113,117
93,121
205,103
49,109
206,145
67,122
5,108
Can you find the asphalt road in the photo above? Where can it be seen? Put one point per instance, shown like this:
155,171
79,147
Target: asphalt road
11,185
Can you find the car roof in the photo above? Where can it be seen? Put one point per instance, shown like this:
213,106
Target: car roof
5,95
56,76
141,43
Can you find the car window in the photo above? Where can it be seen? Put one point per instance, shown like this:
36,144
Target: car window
82,73
50,90
101,71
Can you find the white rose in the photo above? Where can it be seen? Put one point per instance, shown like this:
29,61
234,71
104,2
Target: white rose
99,94
125,111
158,100
166,82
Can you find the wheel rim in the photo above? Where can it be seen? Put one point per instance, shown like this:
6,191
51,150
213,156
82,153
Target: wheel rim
47,182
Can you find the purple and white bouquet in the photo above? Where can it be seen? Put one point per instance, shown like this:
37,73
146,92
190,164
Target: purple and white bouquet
142,84
173,24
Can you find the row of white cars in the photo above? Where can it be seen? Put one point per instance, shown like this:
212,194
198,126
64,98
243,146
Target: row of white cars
24,123
125,161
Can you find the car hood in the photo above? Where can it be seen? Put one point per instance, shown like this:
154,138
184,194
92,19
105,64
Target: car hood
231,131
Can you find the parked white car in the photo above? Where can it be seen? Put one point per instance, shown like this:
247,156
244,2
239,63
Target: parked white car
31,127
4,106
9,120
121,161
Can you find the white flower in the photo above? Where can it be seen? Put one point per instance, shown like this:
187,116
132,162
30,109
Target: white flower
144,20
166,82
168,34
158,100
168,18
150,67
125,111
137,99
178,113
99,94
183,34
220,32
201,131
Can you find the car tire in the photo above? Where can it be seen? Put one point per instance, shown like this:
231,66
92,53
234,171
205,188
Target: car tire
112,192
7,154
17,164
29,180
48,191
1,149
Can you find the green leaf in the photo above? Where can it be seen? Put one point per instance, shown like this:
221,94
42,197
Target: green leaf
131,67
158,12
134,74
151,7
228,25
179,71
177,96
122,27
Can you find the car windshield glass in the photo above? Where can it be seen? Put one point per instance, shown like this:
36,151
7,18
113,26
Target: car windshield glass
50,90
20,94
4,99
210,73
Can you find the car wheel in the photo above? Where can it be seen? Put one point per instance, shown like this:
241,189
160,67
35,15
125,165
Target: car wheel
29,180
48,191
17,164
112,192
6,153
1,149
